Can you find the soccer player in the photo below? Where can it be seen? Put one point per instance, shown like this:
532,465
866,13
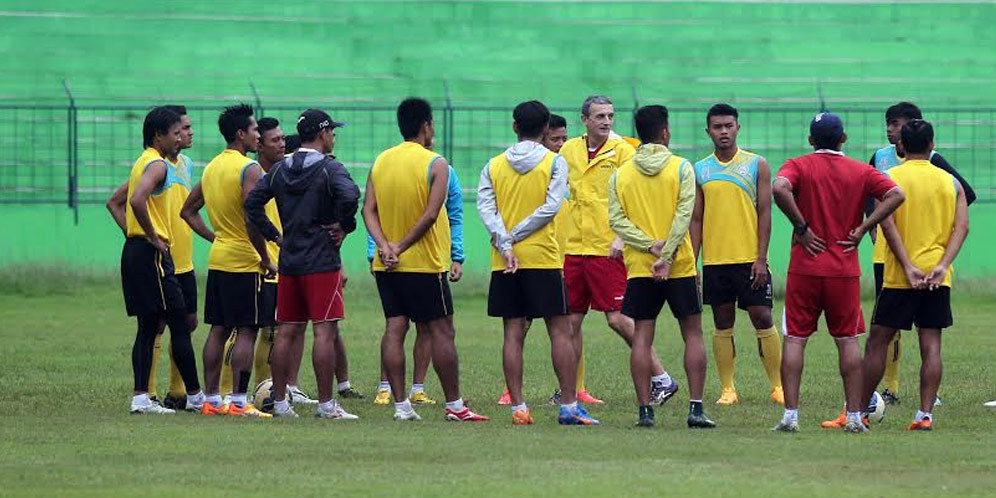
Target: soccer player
422,350
151,291
317,202
238,261
404,198
732,225
924,237
593,266
823,194
884,159
520,192
651,198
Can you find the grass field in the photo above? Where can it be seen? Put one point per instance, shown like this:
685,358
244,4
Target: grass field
66,431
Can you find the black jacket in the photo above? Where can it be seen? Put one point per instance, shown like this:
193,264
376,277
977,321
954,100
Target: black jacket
311,190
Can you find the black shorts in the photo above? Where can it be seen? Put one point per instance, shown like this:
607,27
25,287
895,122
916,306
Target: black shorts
147,280
188,284
421,297
879,269
233,299
902,308
723,284
529,293
645,297
268,305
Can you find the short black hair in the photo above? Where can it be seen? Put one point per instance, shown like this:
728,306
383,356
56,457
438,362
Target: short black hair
650,121
413,112
906,110
531,118
266,124
722,110
916,136
233,119
180,110
557,121
292,143
157,122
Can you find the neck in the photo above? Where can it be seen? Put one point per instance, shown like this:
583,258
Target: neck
312,145
265,163
725,154
595,142
531,139
236,146
922,157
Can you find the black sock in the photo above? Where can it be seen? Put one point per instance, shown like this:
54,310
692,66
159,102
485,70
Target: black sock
183,351
243,385
646,411
695,408
142,349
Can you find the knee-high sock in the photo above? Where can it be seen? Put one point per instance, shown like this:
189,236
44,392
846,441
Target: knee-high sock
579,383
157,349
226,384
769,346
725,351
891,378
176,387
261,358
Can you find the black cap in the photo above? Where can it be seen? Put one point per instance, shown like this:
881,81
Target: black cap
313,121
826,125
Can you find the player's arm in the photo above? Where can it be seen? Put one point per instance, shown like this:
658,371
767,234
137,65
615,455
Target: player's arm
345,197
955,241
153,176
870,205
255,207
117,206
626,152
371,218
545,213
454,211
889,195
914,276
191,213
439,178
783,192
625,229
250,177
759,271
682,213
487,208
939,161
695,226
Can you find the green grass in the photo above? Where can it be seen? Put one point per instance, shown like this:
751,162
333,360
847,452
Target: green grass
65,427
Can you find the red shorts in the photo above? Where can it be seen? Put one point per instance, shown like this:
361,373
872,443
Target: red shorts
316,297
598,282
839,298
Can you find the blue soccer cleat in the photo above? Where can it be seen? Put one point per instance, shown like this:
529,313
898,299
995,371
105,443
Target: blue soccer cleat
578,416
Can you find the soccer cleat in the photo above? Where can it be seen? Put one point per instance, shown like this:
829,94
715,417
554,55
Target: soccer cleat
852,427
522,417
923,425
420,398
297,397
236,410
192,406
890,398
989,404
290,413
212,409
555,399
660,394
350,393
383,397
729,397
506,398
410,415
700,421
937,400
778,396
646,417
578,416
155,399
176,402
791,426
584,397
465,415
836,423
150,409
336,413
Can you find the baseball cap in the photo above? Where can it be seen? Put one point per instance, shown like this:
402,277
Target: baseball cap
313,121
826,125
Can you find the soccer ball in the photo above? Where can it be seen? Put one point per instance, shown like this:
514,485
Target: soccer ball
876,408
262,396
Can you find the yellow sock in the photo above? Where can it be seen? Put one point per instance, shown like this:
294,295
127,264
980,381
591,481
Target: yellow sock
770,348
725,352
579,383
895,353
153,378
176,387
261,360
225,387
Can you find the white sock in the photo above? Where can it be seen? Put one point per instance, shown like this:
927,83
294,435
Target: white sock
572,407
281,406
403,406
519,407
238,399
854,417
343,385
384,386
455,406
141,400
791,415
695,401
416,388
293,387
214,399
326,406
920,415
663,378
196,398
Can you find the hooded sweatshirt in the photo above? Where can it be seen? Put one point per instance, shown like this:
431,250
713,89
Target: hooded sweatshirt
523,156
650,159
312,191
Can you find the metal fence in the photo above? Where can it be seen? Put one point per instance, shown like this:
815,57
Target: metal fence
77,154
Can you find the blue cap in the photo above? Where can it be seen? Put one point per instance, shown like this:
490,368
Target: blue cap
826,125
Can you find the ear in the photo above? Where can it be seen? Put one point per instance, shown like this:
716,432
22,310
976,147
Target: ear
843,138
811,142
515,127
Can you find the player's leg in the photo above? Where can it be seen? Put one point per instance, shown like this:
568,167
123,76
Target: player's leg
845,321
640,364
176,397
803,295
793,359
695,362
226,384
579,300
343,386
421,357
392,353
262,356
724,350
932,316
282,362
874,362
212,355
511,354
182,351
577,339
157,349
890,382
383,396
242,359
297,396
323,360
141,360
563,356
769,348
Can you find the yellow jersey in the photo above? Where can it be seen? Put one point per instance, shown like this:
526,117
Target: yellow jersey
222,186
729,220
181,246
400,177
925,221
159,203
518,196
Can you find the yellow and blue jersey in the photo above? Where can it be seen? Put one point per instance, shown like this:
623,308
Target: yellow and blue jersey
181,237
729,222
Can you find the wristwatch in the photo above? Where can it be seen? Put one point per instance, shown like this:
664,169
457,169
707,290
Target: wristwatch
801,229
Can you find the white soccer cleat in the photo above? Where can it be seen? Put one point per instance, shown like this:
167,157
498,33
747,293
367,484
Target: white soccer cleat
401,415
195,404
150,409
297,397
289,413
336,413
990,404
790,426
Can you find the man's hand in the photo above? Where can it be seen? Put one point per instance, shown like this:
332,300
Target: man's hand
657,247
853,239
661,269
616,249
915,277
511,262
759,274
388,256
336,232
456,271
269,269
935,278
159,244
810,242
345,278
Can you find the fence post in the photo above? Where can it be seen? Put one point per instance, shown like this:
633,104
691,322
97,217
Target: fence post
636,106
259,101
819,94
72,153
447,122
